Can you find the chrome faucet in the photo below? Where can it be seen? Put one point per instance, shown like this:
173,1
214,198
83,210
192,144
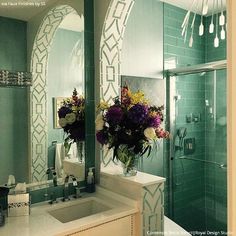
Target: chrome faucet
66,186
53,198
52,171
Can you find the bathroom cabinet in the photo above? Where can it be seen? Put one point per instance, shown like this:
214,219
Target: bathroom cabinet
147,190
119,227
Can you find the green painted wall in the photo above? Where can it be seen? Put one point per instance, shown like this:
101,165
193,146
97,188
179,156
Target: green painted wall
143,41
142,44
13,103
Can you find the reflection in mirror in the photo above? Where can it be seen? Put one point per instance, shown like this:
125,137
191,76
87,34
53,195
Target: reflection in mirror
56,60
57,67
13,103
65,74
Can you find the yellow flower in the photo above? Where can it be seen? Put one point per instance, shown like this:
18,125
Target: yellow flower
99,122
138,97
152,113
150,133
129,93
103,105
75,108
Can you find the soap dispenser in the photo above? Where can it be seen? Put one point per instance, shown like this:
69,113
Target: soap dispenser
90,188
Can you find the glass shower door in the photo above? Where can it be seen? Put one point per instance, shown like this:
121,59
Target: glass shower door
197,173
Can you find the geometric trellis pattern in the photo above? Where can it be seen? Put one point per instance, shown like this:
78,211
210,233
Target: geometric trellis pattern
38,93
110,47
153,208
110,52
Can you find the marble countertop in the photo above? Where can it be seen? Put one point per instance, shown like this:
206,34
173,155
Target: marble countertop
141,179
40,222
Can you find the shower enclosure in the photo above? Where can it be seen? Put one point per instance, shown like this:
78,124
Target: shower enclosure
196,156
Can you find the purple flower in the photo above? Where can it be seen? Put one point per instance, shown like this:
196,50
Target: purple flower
102,137
138,113
154,121
114,115
63,111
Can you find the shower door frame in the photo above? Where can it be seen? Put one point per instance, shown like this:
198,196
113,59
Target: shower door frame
171,98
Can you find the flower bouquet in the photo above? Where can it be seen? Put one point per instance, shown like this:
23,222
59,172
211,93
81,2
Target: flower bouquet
130,126
72,119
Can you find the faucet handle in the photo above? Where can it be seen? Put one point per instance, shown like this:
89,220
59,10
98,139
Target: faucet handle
74,181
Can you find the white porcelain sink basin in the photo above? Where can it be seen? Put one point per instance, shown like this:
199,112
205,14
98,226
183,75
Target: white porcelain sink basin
79,210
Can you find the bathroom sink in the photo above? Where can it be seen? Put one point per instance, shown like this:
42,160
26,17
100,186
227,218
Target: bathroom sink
79,210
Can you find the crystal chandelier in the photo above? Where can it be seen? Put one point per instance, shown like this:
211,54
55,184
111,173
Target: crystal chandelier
211,8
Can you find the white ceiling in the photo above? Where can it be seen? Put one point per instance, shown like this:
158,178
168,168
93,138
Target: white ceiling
186,4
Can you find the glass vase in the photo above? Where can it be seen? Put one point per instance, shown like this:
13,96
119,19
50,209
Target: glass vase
81,150
130,170
128,159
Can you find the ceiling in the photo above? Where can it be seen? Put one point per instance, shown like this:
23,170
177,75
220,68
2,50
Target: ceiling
23,10
186,4
18,9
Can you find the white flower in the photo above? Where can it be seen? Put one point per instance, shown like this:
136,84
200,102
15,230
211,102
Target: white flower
70,118
99,122
62,122
150,133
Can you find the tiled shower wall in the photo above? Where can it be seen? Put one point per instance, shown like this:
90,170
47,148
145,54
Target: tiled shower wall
216,139
188,176
195,194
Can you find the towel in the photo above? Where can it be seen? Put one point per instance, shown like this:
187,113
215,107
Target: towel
59,157
73,152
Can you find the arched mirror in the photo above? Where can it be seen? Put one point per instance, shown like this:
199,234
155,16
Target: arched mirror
57,64
48,41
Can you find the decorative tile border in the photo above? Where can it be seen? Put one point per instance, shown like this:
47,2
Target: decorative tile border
110,47
38,92
153,208
10,78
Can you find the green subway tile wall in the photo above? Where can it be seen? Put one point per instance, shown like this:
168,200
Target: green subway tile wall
216,138
197,198
13,103
212,53
188,185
